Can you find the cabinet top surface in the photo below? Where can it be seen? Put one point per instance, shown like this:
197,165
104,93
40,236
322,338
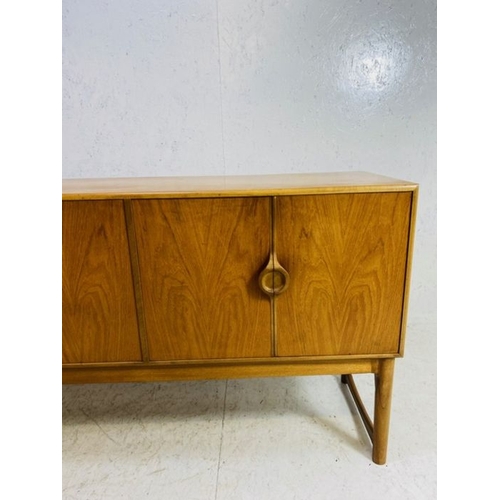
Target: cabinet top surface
226,186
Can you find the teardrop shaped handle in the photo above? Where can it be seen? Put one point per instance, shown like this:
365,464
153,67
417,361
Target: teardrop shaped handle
274,278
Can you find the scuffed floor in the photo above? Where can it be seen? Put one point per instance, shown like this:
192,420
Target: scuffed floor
276,438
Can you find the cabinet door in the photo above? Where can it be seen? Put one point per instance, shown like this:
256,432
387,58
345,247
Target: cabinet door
99,318
199,262
346,256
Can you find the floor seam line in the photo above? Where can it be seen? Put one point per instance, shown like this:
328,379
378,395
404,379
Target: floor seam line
220,444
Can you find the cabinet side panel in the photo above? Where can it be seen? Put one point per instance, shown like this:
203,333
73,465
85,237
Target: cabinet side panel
199,261
99,316
346,255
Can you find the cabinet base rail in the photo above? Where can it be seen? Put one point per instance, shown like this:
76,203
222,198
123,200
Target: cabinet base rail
365,417
382,368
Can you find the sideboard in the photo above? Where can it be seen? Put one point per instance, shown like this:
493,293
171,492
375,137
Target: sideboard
187,278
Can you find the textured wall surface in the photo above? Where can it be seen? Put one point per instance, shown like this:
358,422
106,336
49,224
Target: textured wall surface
162,87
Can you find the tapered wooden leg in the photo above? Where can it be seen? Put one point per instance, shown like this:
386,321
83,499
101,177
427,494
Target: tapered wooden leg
383,396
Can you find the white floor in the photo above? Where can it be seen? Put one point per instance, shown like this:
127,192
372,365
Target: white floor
277,438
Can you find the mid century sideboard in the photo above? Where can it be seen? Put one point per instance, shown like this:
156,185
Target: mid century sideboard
189,278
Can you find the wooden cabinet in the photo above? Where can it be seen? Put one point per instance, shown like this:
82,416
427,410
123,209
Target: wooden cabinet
184,278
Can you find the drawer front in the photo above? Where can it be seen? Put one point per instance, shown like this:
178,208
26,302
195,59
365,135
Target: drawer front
199,262
346,255
99,320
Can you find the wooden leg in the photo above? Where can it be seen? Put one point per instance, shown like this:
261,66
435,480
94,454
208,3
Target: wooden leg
383,396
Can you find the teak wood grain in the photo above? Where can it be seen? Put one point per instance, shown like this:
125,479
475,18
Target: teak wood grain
346,257
231,186
99,319
199,262
221,370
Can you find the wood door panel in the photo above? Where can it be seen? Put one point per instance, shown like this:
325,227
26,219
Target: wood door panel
346,255
99,315
199,261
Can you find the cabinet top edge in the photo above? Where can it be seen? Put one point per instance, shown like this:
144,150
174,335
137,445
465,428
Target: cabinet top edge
229,186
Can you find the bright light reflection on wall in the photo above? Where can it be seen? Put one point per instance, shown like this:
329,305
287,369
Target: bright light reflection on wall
372,68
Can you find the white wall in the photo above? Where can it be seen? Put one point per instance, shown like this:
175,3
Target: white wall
169,87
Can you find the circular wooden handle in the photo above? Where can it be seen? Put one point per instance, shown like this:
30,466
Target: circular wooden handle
274,280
